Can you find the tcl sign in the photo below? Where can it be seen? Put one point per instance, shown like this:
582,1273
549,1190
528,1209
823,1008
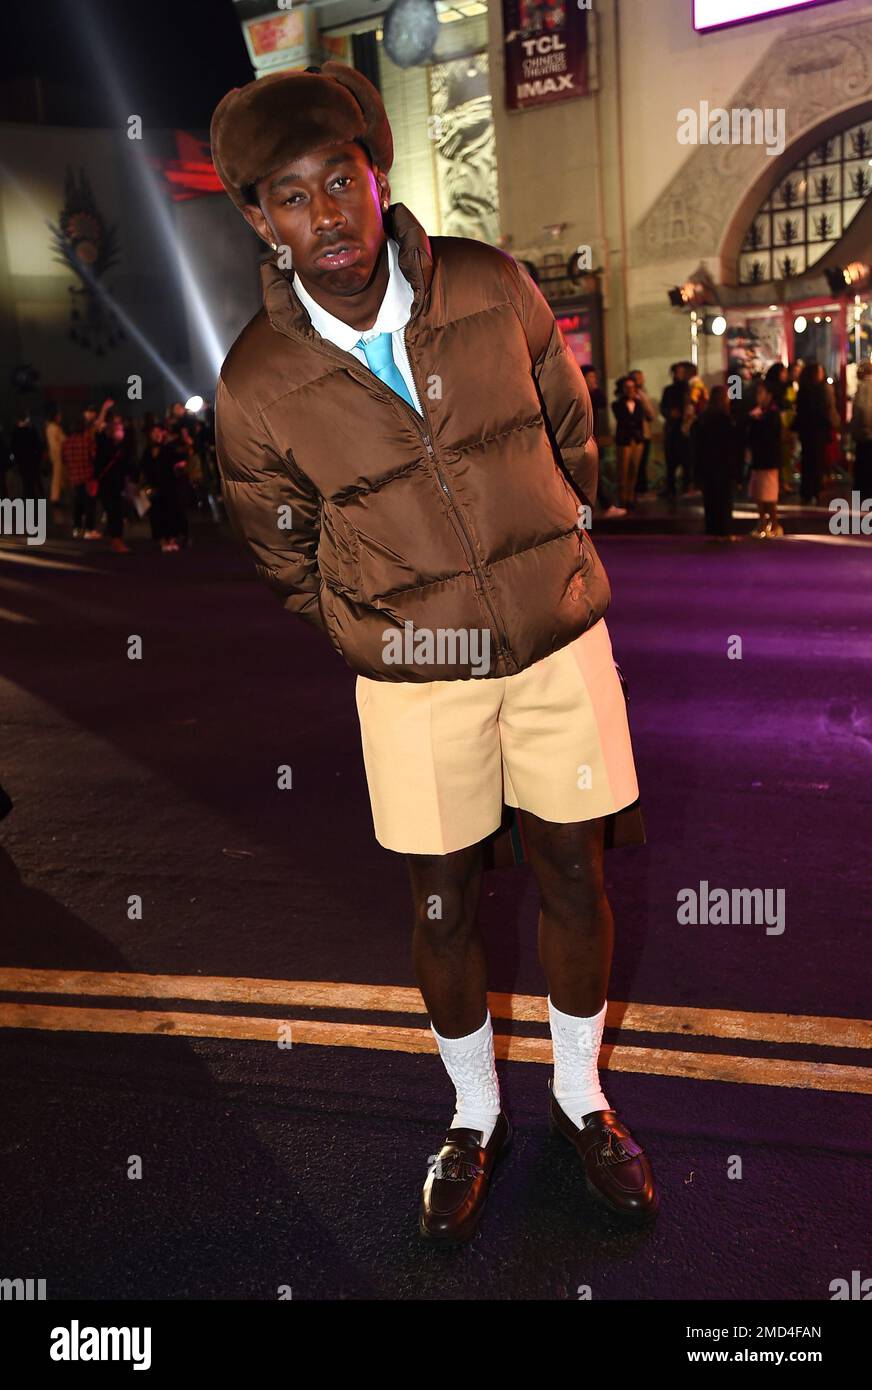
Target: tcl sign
714,14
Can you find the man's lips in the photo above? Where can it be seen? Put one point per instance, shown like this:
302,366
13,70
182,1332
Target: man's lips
339,256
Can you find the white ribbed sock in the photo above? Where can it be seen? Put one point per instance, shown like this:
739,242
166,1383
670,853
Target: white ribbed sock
469,1062
576,1043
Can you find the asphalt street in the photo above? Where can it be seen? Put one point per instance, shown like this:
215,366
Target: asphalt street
161,1140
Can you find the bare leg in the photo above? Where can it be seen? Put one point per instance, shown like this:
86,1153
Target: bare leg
576,929
447,946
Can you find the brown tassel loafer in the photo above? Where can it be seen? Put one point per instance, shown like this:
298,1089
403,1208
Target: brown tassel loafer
616,1169
457,1184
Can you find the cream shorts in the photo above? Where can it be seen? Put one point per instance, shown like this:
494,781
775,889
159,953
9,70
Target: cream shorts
442,757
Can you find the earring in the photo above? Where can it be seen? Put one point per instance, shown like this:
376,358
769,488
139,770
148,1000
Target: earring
385,205
273,245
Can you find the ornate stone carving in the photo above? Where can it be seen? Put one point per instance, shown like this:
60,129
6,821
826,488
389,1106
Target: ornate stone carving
811,73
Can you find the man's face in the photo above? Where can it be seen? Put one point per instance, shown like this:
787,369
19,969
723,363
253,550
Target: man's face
157,434
592,381
639,378
326,206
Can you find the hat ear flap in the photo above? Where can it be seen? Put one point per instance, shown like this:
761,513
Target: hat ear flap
378,137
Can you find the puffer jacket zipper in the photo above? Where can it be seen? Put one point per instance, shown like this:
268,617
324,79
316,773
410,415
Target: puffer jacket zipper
338,354
478,574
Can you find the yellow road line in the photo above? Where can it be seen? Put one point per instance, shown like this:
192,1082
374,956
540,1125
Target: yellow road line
529,1008
699,1066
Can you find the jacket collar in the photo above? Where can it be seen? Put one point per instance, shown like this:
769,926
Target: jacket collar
287,314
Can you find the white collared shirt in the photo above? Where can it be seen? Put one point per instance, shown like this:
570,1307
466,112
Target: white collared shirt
392,318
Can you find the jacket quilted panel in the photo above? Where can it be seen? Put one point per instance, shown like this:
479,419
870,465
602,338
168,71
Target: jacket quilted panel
364,517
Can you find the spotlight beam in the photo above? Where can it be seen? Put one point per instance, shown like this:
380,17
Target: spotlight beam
104,62
131,327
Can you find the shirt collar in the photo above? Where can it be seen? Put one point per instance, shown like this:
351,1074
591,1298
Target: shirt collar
393,313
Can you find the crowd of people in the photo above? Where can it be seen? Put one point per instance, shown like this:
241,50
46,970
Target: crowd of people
108,468
713,441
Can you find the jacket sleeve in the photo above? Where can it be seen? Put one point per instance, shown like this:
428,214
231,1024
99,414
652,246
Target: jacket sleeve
562,386
259,485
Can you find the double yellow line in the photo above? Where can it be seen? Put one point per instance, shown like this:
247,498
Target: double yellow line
737,1025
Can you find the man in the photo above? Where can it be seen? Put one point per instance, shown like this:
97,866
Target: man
78,455
406,448
27,454
54,439
676,446
113,464
649,414
78,452
602,435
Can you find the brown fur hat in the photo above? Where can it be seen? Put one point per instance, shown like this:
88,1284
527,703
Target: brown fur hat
258,128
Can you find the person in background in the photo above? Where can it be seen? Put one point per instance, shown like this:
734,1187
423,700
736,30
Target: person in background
649,415
833,446
603,437
776,379
629,438
718,449
158,469
787,408
184,421
27,455
54,439
206,444
814,420
675,441
113,466
598,401
861,431
695,403
764,442
78,452
179,440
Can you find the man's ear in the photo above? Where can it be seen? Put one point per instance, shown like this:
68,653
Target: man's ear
255,218
384,188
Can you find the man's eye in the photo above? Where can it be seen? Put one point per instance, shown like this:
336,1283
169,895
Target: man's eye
291,198
343,178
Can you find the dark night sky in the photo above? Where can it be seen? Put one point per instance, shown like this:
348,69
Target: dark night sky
174,59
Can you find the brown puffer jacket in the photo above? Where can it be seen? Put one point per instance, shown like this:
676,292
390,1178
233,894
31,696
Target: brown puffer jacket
374,523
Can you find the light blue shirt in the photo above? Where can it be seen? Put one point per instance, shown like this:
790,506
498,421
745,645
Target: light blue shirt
393,316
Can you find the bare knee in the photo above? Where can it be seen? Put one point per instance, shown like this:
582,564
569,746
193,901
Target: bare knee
445,891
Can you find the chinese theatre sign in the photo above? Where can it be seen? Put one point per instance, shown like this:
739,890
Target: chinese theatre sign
546,51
